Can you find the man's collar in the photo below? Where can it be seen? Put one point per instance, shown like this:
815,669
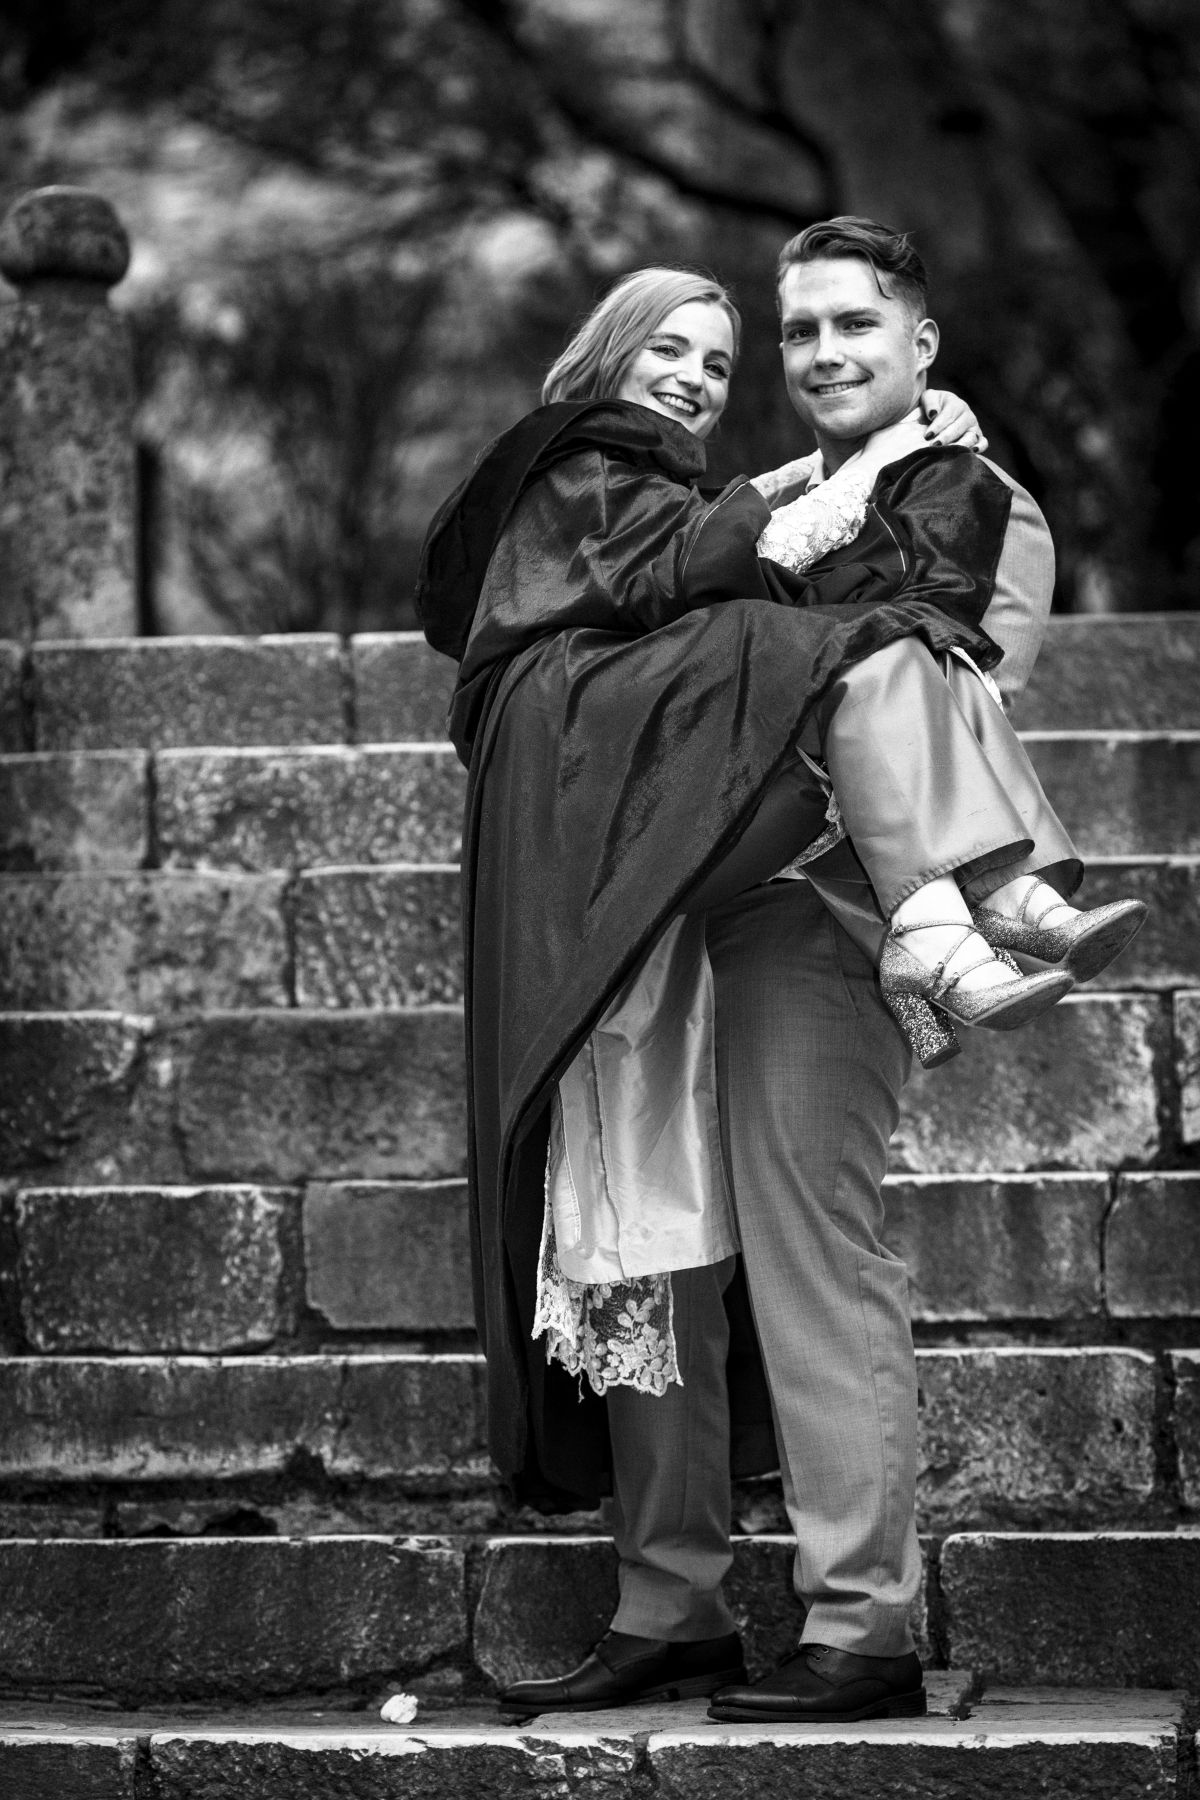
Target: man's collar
820,473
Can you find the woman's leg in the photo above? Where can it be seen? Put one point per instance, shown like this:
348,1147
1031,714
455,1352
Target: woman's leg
1024,907
916,787
1053,858
923,805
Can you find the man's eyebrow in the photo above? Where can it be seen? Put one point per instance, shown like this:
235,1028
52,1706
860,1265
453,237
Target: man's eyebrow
846,312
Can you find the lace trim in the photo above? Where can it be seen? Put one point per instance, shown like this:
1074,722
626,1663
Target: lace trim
617,1333
799,534
834,831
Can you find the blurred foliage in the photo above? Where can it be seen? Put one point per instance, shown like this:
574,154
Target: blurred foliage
363,228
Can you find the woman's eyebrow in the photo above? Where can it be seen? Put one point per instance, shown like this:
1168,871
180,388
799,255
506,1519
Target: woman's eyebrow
676,337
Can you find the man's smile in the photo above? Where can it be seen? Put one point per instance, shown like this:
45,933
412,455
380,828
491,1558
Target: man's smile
836,387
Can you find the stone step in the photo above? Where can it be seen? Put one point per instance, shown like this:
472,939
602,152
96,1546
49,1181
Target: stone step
250,810
1120,793
226,1268
171,940
202,1618
1125,671
1132,793
978,1740
258,1096
276,1096
162,693
1009,1436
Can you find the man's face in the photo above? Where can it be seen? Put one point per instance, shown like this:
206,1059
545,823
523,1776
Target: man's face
854,360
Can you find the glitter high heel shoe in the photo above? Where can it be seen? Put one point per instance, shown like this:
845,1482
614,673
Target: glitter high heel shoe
1085,944
923,1002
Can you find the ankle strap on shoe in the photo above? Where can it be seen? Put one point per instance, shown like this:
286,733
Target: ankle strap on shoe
937,974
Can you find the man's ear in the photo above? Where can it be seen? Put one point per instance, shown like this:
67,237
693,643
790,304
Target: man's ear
926,338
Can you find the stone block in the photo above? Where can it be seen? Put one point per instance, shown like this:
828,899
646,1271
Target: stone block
1123,1751
405,1415
59,1517
1152,1247
1166,952
160,941
245,809
155,692
86,1098
378,937
388,1256
1134,793
983,1247
544,1602
1107,1608
1187,1064
1120,671
290,1095
74,811
431,1760
225,1616
152,1269
1014,1436
83,1418
12,712
402,688
68,1765
1185,1369
1075,1089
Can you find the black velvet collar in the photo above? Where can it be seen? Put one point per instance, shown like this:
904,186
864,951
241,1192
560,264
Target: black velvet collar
464,530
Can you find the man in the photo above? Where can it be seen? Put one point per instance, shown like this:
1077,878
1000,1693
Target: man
809,1073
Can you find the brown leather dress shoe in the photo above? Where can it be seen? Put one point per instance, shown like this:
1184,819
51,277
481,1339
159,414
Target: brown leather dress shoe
624,1670
822,1686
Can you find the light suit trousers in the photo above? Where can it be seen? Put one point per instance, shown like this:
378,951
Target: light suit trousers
809,1070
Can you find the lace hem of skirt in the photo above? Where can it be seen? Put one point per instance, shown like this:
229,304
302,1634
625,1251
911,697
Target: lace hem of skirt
835,829
617,1333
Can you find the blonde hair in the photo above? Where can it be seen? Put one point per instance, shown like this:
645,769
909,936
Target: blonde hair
594,363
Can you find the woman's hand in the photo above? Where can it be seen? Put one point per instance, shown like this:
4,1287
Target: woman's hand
778,486
885,446
951,420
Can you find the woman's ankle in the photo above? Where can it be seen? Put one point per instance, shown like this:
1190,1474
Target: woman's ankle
1021,897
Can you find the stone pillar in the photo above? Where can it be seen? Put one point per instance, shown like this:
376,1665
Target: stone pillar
66,422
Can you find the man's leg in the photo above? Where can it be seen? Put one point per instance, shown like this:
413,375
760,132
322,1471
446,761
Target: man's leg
671,1497
809,1068
673,1634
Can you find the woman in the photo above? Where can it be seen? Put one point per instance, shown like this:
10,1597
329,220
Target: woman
633,682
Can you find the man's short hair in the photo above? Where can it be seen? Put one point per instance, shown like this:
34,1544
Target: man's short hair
887,252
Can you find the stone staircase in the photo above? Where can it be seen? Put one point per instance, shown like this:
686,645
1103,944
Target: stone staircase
243,1490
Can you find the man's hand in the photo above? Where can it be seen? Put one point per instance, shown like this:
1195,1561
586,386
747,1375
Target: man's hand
778,486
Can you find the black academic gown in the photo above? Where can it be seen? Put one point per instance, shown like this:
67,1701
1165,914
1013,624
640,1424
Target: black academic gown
632,677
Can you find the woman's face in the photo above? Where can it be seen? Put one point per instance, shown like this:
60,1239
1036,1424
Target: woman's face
683,368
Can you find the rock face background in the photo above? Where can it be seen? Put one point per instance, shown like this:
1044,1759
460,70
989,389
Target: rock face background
362,228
